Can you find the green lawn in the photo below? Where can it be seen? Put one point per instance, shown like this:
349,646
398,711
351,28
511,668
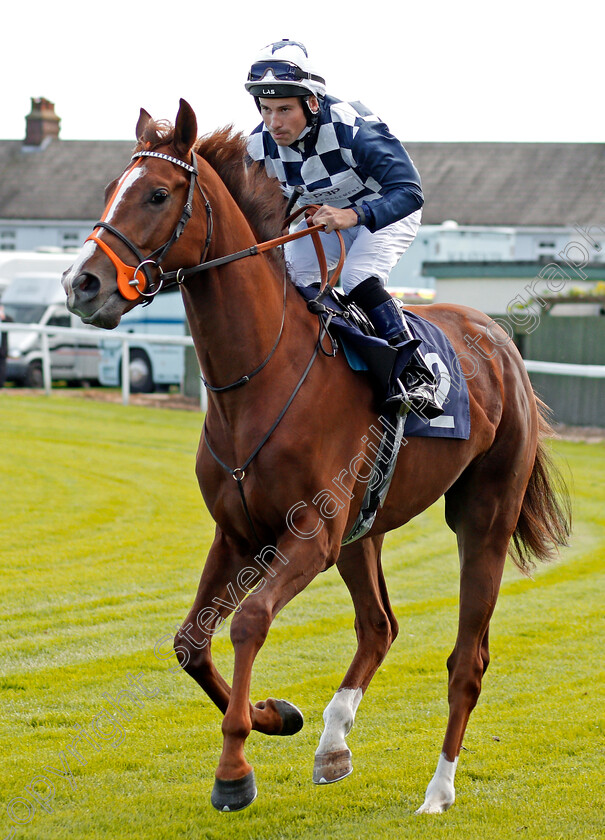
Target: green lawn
104,537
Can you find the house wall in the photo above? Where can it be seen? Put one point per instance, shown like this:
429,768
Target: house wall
560,243
450,242
20,235
499,295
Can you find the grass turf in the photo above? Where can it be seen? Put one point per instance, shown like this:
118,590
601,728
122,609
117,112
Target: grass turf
104,537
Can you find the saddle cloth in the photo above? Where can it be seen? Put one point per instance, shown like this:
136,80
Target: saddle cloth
369,353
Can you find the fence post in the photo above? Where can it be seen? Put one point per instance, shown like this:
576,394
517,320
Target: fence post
46,373
125,371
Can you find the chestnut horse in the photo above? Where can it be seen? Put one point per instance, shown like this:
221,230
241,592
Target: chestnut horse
286,421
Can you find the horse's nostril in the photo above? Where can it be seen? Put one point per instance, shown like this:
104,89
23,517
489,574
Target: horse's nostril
86,286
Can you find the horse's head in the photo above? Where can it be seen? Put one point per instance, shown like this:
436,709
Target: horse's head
146,210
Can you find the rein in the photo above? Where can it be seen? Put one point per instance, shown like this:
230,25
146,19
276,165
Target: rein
313,231
135,281
181,274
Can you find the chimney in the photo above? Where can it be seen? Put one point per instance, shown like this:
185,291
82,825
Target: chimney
42,124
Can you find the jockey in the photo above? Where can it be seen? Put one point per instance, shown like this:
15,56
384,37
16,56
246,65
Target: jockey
340,155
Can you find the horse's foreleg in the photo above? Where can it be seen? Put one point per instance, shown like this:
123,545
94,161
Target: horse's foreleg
376,628
225,582
482,563
218,595
296,563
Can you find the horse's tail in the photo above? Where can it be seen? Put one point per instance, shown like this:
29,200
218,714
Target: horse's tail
544,523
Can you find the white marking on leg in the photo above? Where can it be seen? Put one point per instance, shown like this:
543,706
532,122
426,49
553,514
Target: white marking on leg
339,716
440,793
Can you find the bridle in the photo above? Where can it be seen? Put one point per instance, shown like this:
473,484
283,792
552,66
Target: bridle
135,281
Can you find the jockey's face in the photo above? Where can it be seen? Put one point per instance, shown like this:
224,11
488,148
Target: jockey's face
284,118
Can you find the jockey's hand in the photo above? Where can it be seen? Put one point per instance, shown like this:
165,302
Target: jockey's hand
335,218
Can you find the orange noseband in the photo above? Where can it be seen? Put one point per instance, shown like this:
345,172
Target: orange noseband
129,285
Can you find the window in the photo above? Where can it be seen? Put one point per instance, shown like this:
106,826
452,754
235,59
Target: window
8,240
70,239
545,250
59,320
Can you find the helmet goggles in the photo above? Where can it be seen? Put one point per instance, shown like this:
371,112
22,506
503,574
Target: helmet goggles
284,71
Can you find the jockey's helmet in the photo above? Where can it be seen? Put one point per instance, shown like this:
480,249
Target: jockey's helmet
281,70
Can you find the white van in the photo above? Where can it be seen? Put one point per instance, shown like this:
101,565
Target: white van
35,296
152,366
52,261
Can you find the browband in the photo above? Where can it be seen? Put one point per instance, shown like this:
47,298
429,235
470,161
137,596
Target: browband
182,163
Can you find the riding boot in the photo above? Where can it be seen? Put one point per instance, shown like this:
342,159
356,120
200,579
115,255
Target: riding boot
417,385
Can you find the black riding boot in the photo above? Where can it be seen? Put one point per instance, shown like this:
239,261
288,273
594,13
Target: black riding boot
417,386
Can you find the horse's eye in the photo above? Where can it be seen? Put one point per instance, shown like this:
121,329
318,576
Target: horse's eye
159,196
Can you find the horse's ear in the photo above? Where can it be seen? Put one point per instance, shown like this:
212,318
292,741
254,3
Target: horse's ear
143,122
185,129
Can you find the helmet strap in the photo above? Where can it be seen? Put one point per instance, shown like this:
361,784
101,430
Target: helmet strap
311,115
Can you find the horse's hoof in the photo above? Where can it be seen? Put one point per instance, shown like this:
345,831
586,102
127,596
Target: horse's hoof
332,767
291,716
234,795
437,807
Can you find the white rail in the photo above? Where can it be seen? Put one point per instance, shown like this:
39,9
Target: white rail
555,368
124,338
564,369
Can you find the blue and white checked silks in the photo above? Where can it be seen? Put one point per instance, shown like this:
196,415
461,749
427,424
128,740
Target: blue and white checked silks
348,159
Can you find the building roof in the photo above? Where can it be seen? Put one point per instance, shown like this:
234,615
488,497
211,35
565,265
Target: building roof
512,184
509,184
60,180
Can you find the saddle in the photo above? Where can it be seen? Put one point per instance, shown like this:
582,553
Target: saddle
351,329
353,333
349,310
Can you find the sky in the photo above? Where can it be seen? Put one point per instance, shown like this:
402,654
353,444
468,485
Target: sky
432,70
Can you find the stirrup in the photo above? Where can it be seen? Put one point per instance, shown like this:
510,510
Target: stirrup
421,399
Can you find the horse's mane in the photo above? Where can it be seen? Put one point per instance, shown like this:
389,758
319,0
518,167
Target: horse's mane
259,198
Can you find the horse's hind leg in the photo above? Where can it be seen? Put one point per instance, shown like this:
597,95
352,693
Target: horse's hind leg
483,510
376,628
